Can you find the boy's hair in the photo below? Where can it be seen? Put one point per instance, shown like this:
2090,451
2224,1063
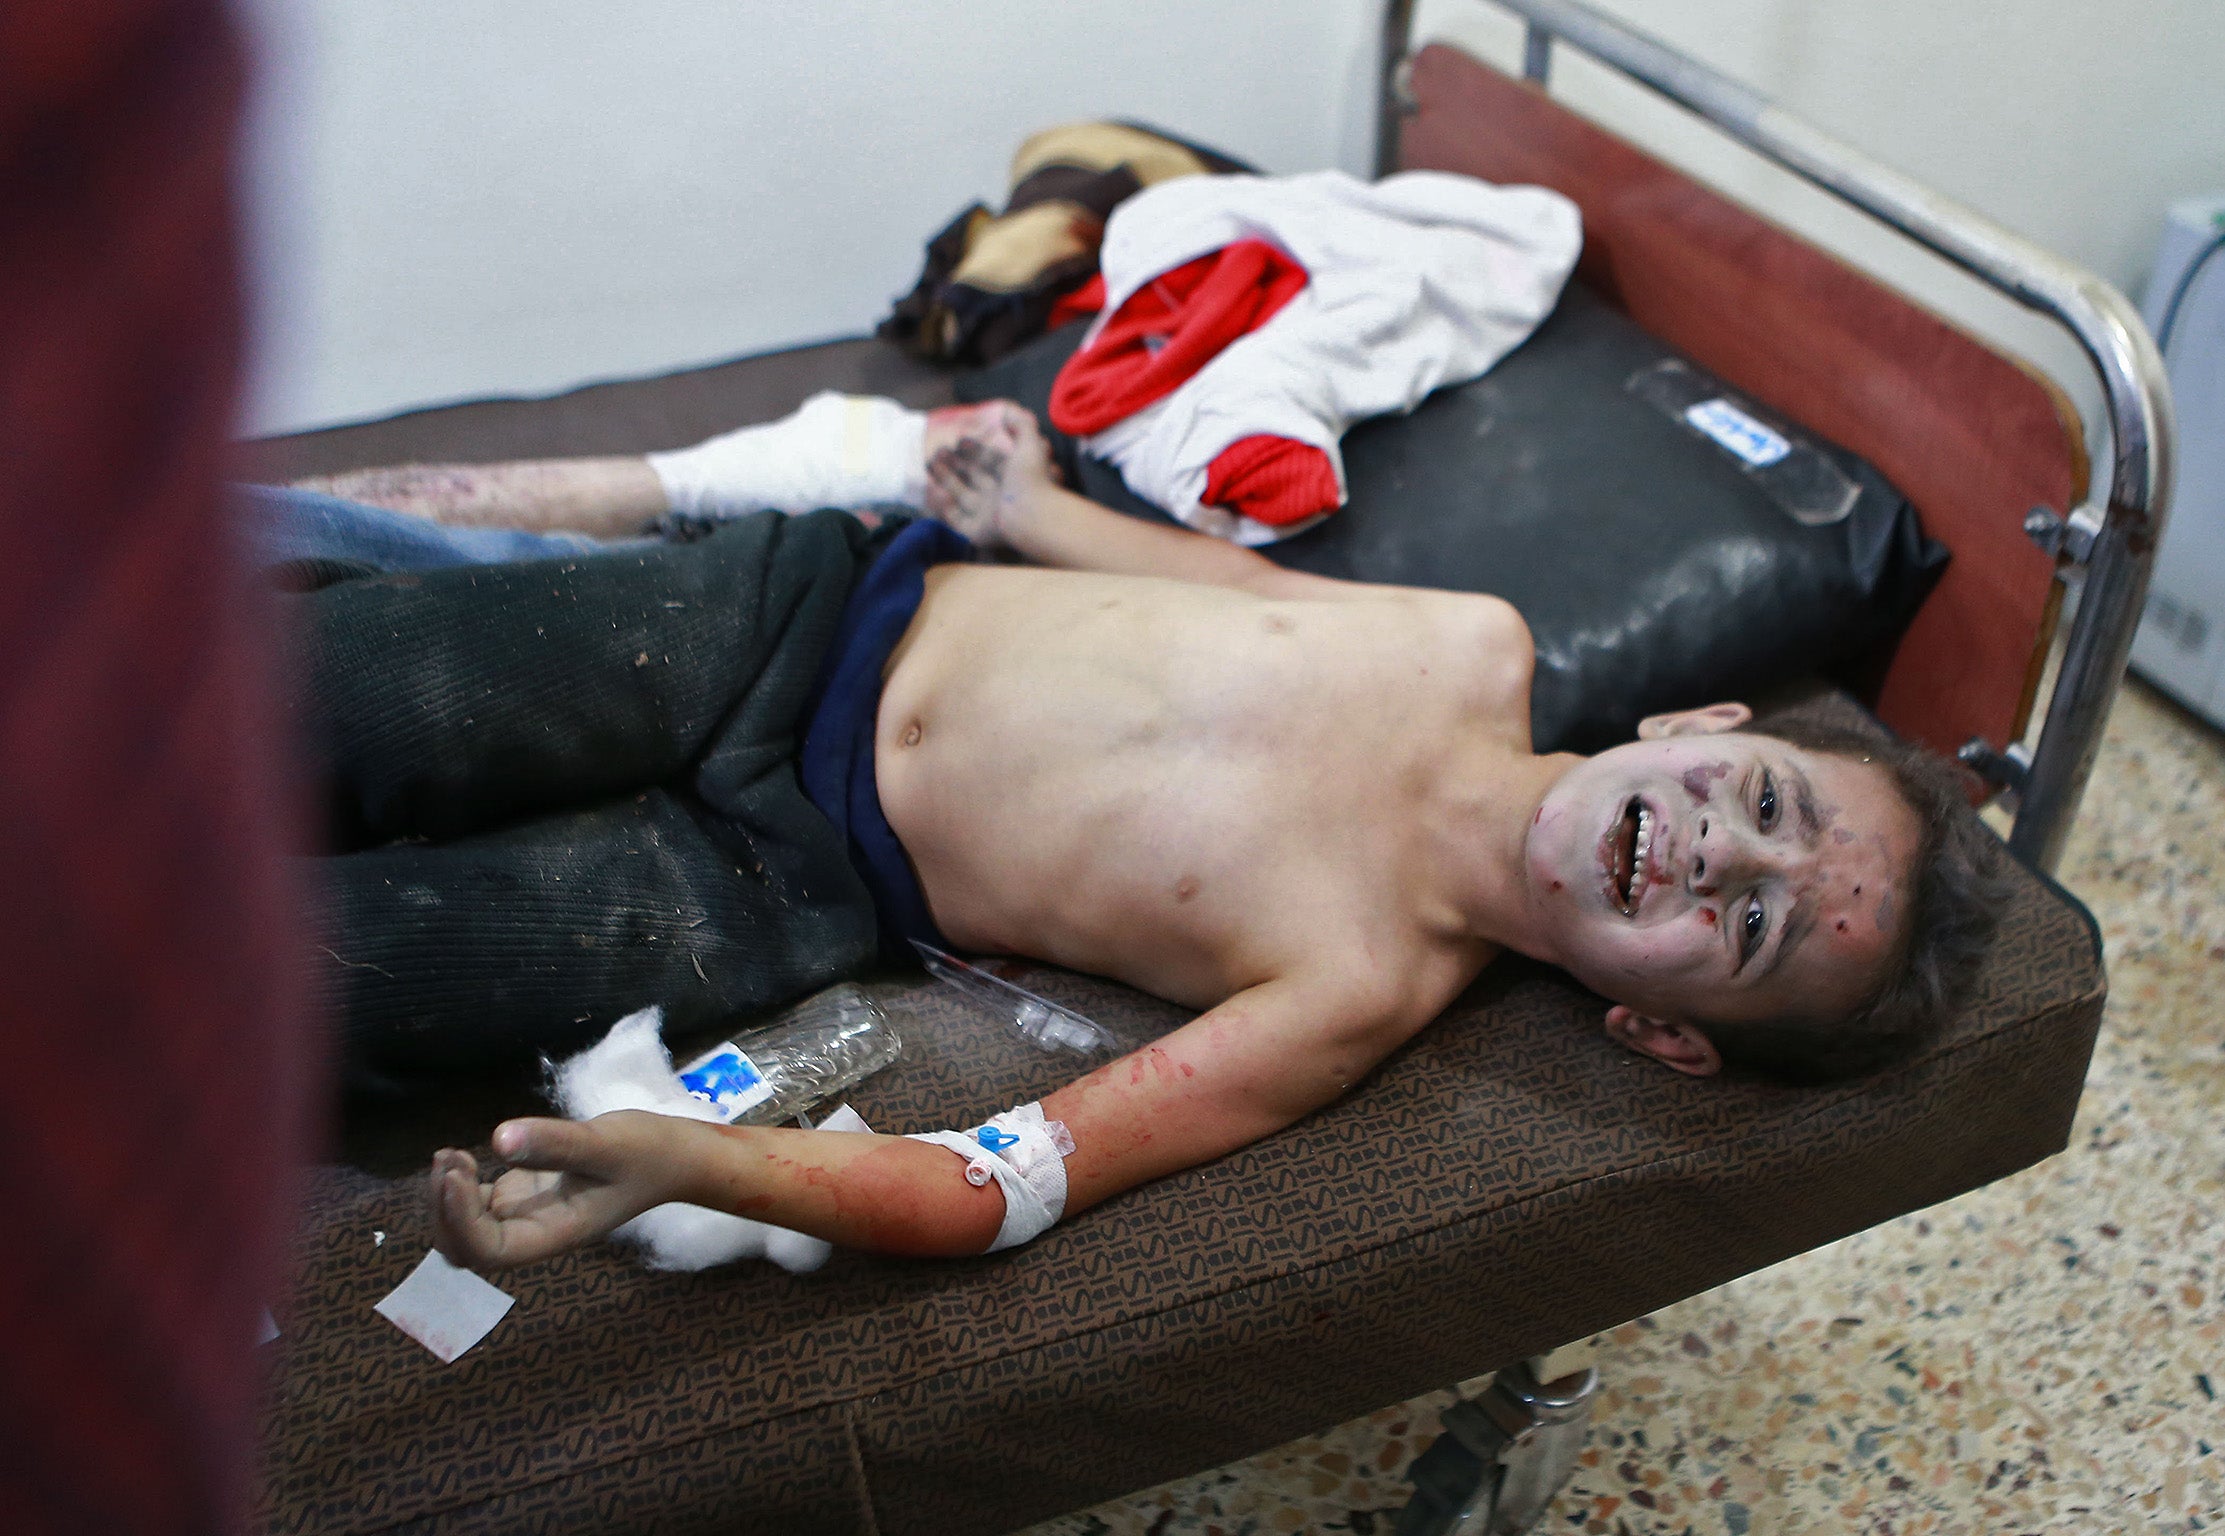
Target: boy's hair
1960,885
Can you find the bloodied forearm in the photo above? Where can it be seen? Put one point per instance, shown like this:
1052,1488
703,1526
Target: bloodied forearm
574,1182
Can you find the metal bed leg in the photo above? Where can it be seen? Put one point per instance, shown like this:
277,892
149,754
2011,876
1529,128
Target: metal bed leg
1504,1454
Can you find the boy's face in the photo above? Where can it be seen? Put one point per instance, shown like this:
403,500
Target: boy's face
1706,873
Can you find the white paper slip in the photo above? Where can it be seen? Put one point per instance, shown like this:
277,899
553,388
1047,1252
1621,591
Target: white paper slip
444,1308
844,1118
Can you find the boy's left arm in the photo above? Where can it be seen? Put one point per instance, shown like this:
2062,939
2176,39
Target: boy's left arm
1238,1073
605,498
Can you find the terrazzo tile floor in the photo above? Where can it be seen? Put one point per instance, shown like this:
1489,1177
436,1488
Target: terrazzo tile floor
2046,1354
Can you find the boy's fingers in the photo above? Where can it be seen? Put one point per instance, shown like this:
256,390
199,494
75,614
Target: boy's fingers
447,1177
453,1157
457,1206
951,468
566,1146
524,1192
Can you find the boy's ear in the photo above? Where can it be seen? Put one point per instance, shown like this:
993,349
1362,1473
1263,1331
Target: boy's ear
1708,720
1679,1046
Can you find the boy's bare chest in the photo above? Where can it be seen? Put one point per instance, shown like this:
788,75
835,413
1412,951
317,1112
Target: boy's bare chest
1178,795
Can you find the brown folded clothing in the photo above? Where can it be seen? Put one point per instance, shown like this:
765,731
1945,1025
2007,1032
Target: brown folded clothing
991,279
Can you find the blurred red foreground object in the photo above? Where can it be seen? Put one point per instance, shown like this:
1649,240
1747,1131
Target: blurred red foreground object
154,1080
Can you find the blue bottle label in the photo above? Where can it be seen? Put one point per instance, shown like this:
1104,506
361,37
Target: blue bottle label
728,1081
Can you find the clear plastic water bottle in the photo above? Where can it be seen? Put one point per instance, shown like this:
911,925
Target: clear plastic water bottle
826,1044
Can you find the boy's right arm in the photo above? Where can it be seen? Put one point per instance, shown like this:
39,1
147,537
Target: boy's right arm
1237,1073
572,1183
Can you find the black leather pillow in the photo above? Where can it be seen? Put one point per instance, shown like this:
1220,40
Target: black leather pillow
1655,567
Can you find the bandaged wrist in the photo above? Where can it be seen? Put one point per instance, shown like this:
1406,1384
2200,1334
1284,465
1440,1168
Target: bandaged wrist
1026,1156
834,451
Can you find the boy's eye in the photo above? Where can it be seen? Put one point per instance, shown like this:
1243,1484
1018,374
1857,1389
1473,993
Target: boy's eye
1752,927
1765,811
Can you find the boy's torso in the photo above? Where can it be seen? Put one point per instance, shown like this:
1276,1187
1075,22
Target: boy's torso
1190,788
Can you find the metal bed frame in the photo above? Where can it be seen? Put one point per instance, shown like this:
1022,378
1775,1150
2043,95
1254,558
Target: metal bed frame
2103,550
1504,1454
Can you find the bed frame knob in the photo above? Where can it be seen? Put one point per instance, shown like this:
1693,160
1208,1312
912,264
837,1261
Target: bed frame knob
2006,770
2066,540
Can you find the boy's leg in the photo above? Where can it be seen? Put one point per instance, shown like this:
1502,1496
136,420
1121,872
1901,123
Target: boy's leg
454,700
600,750
451,960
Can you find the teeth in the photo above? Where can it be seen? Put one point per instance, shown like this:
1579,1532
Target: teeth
1629,857
1641,849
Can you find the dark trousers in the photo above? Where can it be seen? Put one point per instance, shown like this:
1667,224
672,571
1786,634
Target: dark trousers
562,790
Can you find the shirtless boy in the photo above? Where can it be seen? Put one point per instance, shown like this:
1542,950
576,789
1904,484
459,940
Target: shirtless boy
1310,809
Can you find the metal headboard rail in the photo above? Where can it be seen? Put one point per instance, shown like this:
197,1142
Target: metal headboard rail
2112,539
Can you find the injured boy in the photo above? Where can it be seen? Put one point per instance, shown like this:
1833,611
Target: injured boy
716,774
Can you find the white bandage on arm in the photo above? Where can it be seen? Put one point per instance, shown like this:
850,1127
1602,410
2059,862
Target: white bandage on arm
834,451
1030,1168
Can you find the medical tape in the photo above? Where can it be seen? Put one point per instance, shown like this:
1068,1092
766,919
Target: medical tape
1026,1155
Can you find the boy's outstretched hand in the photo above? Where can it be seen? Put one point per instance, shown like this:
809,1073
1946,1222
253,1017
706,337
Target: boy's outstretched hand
571,1183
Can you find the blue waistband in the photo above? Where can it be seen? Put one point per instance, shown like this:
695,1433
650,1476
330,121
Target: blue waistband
836,760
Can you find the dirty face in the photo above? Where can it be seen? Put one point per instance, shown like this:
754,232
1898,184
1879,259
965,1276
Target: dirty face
1723,876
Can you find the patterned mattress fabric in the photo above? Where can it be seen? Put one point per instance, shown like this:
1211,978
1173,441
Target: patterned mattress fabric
1507,1182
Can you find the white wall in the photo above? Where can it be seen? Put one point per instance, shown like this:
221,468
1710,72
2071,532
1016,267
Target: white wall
503,196
516,195
2073,122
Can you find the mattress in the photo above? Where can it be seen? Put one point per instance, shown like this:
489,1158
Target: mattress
1507,1182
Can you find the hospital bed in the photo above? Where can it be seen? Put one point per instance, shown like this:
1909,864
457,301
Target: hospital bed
1508,1183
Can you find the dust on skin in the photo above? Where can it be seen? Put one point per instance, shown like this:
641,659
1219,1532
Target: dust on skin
418,488
1885,903
1825,817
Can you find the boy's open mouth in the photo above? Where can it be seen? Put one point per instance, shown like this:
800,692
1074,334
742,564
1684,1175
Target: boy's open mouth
1633,843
